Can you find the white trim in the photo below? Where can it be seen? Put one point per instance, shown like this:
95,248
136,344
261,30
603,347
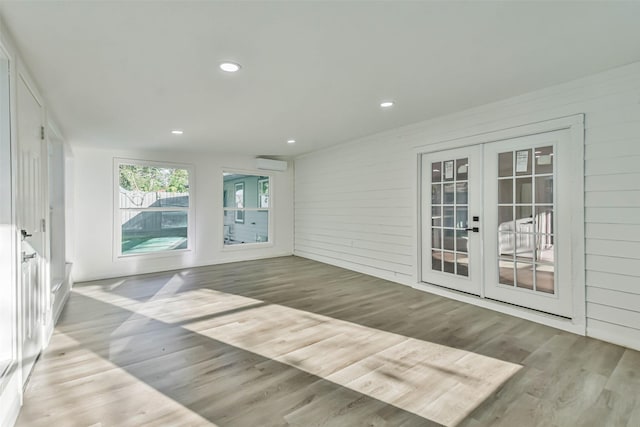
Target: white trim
210,263
575,125
569,122
117,254
512,310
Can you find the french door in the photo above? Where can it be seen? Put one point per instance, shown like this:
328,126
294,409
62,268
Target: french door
527,229
519,249
452,235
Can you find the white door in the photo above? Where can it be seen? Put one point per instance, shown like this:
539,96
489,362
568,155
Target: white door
30,214
527,232
451,215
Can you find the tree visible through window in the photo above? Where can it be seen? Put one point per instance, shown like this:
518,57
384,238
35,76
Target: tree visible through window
153,208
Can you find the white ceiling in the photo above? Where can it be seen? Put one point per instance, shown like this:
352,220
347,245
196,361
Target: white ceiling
123,74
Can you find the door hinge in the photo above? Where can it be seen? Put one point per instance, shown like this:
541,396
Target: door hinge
43,225
42,133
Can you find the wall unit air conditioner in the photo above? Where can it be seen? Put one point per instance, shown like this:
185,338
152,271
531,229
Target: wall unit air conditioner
271,165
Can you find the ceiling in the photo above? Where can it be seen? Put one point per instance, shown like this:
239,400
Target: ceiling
124,74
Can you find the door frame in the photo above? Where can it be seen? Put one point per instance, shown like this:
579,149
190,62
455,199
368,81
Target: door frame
575,125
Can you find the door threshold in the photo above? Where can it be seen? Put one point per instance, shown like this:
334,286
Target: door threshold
575,326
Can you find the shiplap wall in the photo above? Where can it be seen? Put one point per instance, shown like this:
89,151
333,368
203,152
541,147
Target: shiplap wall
356,203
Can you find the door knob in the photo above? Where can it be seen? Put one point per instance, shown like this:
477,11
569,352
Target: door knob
474,229
25,234
26,257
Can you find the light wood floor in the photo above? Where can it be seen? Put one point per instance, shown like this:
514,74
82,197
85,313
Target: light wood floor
289,341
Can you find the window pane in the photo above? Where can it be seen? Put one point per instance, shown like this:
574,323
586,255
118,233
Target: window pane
448,239
506,244
449,194
523,190
544,279
448,220
254,227
544,160
436,238
462,265
505,191
524,218
545,252
544,219
436,260
242,191
462,217
462,169
436,216
436,172
523,162
150,186
462,193
462,238
506,272
449,170
145,232
544,189
263,193
505,164
524,275
505,218
448,262
436,194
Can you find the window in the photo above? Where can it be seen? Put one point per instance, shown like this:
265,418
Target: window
153,208
246,209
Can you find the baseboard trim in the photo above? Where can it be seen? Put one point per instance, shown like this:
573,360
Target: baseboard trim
10,401
520,312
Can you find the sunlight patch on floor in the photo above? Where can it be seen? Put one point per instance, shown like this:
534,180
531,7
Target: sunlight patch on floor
440,383
89,387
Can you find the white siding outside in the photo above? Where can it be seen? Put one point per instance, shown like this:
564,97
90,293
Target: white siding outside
356,203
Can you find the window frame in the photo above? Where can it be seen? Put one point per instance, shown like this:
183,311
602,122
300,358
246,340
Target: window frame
117,210
270,223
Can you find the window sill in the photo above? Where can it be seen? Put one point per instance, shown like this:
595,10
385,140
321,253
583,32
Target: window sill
159,254
244,246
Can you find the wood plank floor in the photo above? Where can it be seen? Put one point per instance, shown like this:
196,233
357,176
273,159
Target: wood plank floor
289,341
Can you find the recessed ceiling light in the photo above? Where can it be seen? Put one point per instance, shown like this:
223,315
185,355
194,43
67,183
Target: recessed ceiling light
177,132
229,67
386,104
291,141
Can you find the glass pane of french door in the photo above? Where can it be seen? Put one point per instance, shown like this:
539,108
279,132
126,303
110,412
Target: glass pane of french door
450,216
525,219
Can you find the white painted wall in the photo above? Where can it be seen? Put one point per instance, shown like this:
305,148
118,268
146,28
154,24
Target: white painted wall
93,212
355,203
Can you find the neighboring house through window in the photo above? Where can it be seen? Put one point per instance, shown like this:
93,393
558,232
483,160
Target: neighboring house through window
247,209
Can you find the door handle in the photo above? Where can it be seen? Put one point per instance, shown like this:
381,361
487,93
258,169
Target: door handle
26,257
25,234
474,229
